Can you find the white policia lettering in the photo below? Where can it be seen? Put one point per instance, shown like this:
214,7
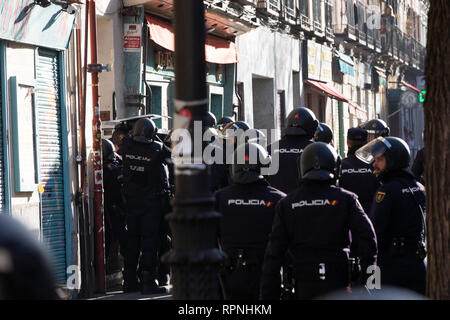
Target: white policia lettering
250,202
289,150
415,189
361,170
317,202
141,158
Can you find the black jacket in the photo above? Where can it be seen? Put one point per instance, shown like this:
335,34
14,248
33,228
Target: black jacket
395,210
288,150
247,215
144,173
357,176
314,223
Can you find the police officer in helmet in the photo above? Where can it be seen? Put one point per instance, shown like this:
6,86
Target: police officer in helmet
247,207
356,175
324,134
301,124
314,223
145,181
397,213
375,128
113,200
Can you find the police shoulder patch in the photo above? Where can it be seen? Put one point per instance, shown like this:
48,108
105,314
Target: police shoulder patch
380,196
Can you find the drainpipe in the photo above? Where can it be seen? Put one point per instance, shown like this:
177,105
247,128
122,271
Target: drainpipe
94,68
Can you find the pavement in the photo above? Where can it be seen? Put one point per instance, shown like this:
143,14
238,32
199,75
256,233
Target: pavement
118,294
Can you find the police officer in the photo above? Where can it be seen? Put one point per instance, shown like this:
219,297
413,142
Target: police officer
356,175
113,199
247,207
301,124
314,223
145,181
375,128
397,213
324,134
222,122
121,131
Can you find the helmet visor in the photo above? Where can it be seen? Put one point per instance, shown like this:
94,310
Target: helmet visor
373,149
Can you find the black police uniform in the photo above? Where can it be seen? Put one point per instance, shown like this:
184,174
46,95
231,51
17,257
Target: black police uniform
145,182
247,215
314,223
399,225
114,205
358,177
288,150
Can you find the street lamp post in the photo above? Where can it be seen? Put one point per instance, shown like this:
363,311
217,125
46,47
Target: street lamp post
195,258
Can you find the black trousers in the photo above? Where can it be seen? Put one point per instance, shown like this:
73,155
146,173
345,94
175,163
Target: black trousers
143,223
404,271
242,283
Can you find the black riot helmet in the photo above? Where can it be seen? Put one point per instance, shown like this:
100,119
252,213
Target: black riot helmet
319,161
222,122
242,125
144,130
248,159
395,150
375,128
121,130
323,133
107,150
209,120
256,136
301,122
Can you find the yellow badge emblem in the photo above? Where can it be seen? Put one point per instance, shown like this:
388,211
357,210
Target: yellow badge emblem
380,196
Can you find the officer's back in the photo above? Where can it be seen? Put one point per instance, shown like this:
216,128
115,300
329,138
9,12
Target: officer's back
144,174
301,125
247,208
356,175
314,223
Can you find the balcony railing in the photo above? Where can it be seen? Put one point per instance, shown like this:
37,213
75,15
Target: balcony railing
289,12
346,30
305,22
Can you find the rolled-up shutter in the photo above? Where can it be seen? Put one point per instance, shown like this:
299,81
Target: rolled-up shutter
48,118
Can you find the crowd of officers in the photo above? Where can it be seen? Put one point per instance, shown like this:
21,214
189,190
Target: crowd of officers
315,226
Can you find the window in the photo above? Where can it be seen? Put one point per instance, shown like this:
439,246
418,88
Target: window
156,103
281,109
304,7
216,105
328,14
316,12
321,108
350,13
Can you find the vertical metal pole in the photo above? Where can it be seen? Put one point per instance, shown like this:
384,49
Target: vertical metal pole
98,171
194,258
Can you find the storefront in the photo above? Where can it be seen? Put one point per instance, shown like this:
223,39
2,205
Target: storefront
35,173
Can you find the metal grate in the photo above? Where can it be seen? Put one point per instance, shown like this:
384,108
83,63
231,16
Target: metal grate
48,114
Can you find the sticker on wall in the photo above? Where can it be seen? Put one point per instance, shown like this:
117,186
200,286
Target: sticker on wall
132,37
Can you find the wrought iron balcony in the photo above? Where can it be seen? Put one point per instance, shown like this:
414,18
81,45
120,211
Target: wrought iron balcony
347,31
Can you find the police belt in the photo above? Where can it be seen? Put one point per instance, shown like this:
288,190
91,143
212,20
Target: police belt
402,246
241,258
313,271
